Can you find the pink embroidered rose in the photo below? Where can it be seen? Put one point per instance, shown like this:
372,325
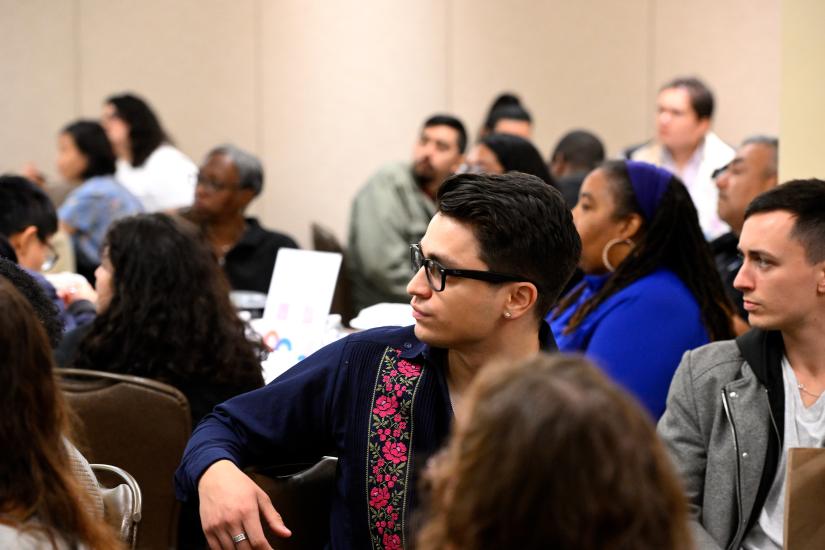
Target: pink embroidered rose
408,369
395,452
397,418
392,542
379,497
385,406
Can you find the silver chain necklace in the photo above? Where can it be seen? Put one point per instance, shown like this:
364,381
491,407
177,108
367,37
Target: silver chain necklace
803,389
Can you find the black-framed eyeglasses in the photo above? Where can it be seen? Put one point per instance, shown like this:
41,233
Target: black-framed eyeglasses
213,185
51,258
437,273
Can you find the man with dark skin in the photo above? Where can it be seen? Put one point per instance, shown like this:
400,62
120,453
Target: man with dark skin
228,180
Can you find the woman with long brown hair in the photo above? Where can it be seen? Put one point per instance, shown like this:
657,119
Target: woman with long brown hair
550,454
42,504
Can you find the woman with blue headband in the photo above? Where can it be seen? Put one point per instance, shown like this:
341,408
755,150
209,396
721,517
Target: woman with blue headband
650,290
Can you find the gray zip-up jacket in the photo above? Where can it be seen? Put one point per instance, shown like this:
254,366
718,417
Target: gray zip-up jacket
723,426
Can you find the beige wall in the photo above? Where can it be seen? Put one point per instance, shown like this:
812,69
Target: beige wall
803,90
325,92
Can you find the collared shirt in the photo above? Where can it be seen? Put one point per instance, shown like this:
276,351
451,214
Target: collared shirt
249,264
328,405
389,213
711,153
91,208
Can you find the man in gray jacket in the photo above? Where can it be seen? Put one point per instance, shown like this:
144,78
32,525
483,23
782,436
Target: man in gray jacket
736,407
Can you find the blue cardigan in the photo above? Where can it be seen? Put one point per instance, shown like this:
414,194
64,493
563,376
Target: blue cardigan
637,335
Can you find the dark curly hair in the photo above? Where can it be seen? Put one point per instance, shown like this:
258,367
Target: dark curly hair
43,307
169,317
672,239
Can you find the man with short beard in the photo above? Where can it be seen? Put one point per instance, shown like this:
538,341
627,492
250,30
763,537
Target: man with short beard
393,210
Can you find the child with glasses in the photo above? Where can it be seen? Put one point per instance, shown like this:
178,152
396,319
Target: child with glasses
28,221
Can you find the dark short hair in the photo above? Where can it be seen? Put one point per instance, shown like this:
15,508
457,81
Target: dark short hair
250,171
452,122
22,204
7,250
507,112
522,226
42,305
581,149
145,131
516,154
805,201
701,98
90,139
771,143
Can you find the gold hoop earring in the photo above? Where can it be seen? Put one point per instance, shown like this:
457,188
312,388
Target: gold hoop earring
606,250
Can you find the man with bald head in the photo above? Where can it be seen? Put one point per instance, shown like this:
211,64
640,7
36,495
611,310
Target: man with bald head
752,172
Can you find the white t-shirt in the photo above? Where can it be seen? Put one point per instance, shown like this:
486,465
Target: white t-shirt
165,181
804,427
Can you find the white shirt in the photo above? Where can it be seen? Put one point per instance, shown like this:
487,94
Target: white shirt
165,181
804,427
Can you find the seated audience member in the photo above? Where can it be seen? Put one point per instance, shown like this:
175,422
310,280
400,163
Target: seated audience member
393,209
686,146
85,159
650,290
736,407
148,165
576,154
43,307
507,116
528,437
501,153
43,498
228,180
164,313
28,220
480,289
752,171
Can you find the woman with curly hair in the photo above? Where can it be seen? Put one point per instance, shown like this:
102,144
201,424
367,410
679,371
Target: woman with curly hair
550,454
42,501
651,291
164,313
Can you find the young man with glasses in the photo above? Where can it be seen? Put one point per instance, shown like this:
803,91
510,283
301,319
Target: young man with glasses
29,221
495,257
228,180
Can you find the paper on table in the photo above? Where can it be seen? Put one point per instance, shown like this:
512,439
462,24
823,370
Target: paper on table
297,306
805,500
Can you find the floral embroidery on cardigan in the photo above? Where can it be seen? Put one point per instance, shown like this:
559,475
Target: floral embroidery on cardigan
389,450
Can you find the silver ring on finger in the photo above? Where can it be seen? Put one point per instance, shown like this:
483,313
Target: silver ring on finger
240,537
